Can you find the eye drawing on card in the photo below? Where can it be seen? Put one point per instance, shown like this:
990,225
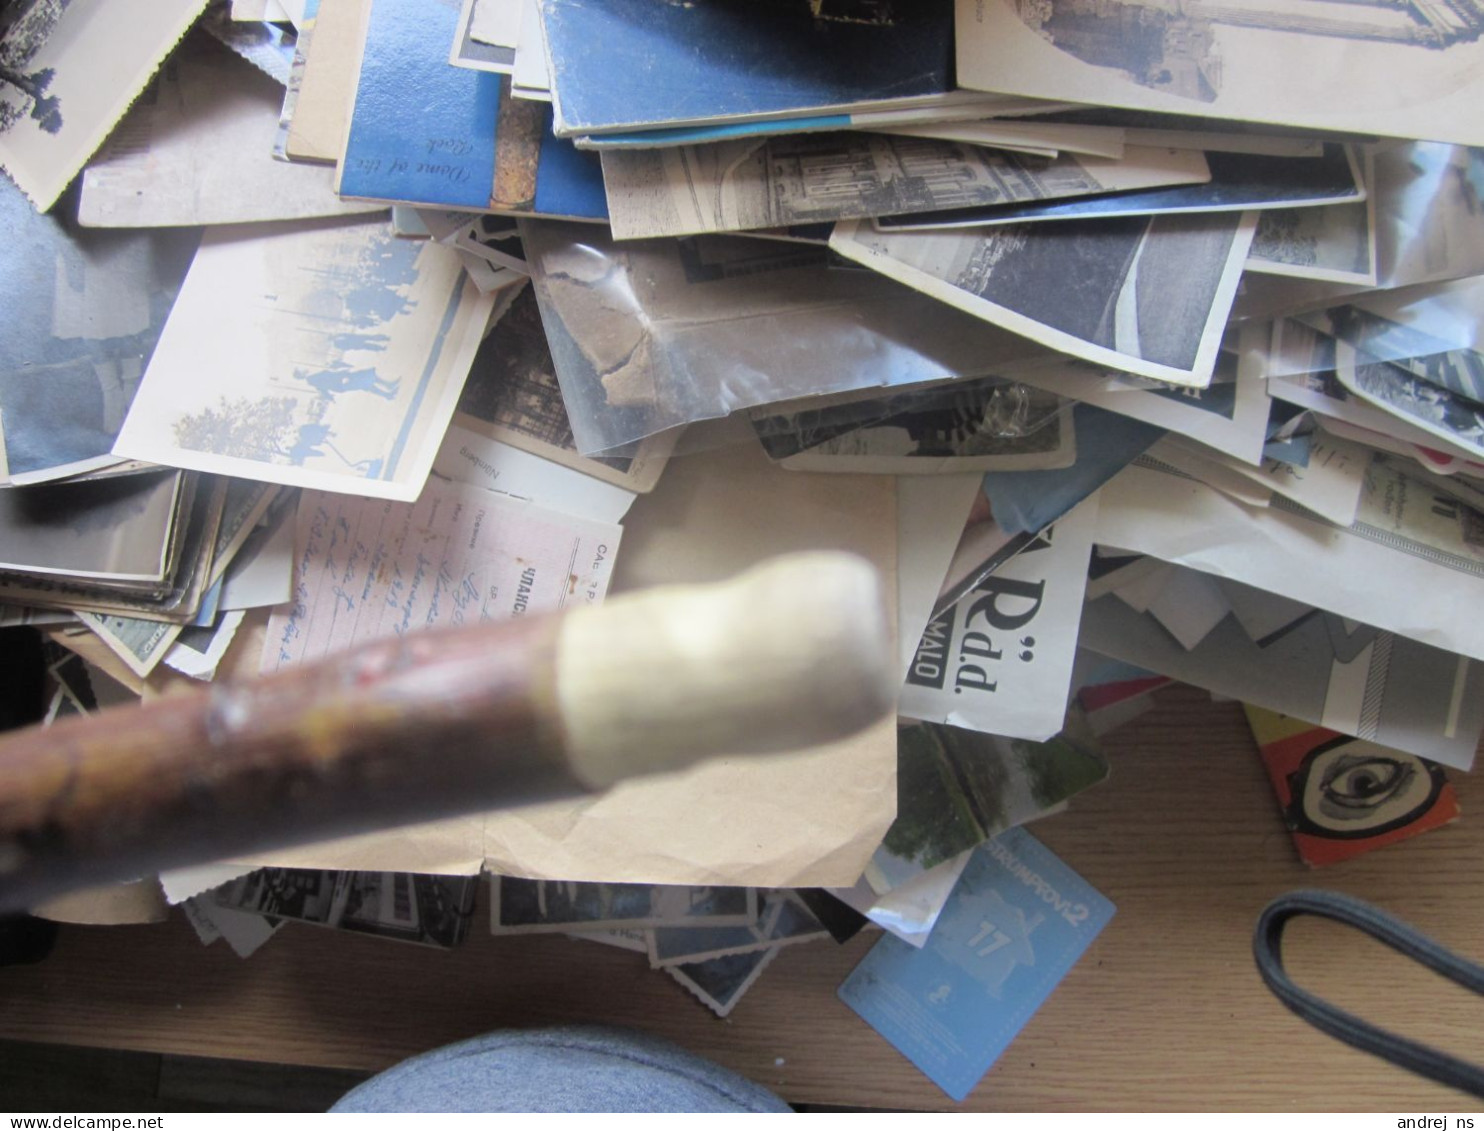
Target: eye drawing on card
1348,789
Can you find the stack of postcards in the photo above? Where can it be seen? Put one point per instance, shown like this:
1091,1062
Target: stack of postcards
1135,341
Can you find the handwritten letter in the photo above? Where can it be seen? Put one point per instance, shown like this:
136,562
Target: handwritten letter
368,568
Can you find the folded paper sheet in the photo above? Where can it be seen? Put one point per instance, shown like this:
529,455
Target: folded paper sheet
807,819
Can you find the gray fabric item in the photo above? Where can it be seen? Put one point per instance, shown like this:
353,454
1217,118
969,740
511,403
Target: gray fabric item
577,1068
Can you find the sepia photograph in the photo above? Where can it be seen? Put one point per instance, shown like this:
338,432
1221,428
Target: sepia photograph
1146,294
1410,68
68,71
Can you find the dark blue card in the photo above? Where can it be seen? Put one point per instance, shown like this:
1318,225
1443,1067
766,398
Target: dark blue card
636,64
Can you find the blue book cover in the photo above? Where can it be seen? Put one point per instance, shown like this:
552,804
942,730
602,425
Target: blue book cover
83,310
1018,920
637,64
425,132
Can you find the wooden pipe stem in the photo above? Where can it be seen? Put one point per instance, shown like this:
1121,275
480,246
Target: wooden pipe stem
439,723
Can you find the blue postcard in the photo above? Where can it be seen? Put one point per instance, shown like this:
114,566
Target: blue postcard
1017,922
326,355
424,132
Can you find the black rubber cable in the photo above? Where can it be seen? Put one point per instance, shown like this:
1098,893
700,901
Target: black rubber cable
1422,1059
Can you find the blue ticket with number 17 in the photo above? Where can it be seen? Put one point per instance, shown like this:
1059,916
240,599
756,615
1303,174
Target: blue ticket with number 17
1016,923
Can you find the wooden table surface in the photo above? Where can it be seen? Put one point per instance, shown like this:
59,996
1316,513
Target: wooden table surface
1164,1012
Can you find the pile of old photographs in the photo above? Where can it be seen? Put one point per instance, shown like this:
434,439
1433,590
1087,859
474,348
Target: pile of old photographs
1129,364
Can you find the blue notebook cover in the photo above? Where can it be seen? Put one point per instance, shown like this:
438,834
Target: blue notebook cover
425,132
1018,920
639,64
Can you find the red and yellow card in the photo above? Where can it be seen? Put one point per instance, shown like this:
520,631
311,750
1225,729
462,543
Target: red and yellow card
1342,796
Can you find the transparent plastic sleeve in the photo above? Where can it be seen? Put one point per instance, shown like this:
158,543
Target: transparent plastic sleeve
1429,196
648,335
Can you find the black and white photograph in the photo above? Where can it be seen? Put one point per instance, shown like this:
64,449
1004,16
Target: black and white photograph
68,71
1230,414
1238,181
408,906
512,395
1444,362
405,906
1335,243
122,529
976,425
530,906
1417,401
783,919
1146,294
633,939
289,893
25,26
810,178
175,598
719,983
198,650
1410,68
